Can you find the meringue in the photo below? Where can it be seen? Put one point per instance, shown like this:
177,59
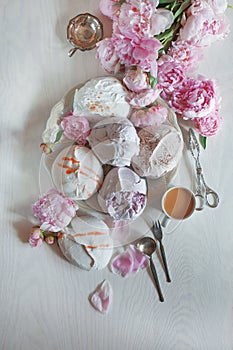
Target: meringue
123,194
87,243
77,172
114,141
101,97
160,151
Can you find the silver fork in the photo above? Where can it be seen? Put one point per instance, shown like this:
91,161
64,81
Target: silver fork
158,234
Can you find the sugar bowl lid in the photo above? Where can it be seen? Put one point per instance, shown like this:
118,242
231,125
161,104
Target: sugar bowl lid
83,32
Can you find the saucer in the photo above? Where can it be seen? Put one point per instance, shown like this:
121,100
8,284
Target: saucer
83,32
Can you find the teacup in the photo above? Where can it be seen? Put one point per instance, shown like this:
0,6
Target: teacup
178,203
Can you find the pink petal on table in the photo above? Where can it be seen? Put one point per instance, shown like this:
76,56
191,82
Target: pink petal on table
101,299
122,264
129,262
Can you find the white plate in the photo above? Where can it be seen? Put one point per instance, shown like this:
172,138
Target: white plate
136,228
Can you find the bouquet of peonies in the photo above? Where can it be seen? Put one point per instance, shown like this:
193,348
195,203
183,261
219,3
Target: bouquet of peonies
157,44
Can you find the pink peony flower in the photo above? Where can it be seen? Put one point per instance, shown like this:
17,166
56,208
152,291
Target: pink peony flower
144,98
209,125
76,128
54,211
137,52
101,299
109,8
136,80
194,98
129,262
203,26
185,54
134,19
36,237
171,74
107,55
153,116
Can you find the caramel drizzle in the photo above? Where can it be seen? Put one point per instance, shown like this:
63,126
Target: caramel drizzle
71,170
73,161
92,171
96,180
97,246
92,233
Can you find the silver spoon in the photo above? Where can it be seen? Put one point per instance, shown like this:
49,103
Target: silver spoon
147,245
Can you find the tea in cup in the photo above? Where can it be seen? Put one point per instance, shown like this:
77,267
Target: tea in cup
178,203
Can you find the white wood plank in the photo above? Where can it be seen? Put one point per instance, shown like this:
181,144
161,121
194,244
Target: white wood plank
43,299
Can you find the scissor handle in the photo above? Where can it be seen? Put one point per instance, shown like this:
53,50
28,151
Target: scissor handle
200,201
212,198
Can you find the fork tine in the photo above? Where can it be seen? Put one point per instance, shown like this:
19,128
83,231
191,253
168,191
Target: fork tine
159,226
155,226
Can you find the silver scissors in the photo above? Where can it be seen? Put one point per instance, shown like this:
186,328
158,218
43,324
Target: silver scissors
204,194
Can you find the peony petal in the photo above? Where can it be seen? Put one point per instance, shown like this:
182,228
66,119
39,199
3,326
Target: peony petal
129,262
54,211
161,20
101,299
122,264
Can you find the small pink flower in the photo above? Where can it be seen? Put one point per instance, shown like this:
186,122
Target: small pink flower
194,98
76,128
171,74
153,116
137,52
36,237
209,125
54,211
45,148
129,262
186,55
106,53
136,80
144,98
50,240
101,299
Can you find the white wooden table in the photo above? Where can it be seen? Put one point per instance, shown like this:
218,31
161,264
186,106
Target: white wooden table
44,299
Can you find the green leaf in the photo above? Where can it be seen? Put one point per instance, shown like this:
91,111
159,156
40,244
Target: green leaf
163,2
59,135
118,3
69,225
182,8
153,82
203,140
